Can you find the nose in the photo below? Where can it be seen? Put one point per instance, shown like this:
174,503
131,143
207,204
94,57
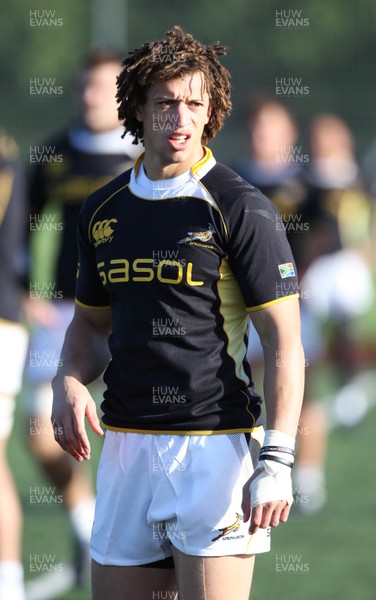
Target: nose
91,95
87,96
181,115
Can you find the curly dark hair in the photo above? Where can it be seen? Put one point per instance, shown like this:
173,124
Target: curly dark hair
176,55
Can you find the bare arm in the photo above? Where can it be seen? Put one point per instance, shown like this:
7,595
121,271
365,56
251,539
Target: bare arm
279,329
84,357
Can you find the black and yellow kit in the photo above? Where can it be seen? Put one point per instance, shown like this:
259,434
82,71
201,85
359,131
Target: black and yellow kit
182,262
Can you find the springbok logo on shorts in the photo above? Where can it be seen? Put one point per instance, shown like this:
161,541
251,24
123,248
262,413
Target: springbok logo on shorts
199,236
229,529
102,231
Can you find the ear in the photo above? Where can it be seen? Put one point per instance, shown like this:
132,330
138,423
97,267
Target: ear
208,115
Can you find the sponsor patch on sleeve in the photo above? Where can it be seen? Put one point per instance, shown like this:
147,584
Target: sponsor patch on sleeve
286,270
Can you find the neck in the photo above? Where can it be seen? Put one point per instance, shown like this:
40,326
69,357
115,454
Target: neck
156,170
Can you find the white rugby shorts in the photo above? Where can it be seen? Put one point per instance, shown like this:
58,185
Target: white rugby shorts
156,490
13,350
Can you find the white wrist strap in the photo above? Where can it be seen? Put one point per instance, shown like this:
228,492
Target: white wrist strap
274,482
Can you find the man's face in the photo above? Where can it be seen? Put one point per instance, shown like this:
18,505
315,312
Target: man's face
174,116
98,97
272,132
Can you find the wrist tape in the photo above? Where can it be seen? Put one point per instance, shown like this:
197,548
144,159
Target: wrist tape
276,459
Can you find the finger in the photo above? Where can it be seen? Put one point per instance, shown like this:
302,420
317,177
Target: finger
272,511
246,503
256,516
79,439
275,518
74,453
285,513
61,440
70,436
93,420
267,513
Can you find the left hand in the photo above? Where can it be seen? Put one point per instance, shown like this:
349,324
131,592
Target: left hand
273,496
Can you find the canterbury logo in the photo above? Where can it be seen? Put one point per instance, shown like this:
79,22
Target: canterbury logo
102,231
230,529
199,236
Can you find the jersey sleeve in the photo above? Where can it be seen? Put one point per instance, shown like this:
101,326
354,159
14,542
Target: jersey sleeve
259,253
90,292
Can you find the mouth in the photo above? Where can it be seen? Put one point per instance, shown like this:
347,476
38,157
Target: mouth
179,139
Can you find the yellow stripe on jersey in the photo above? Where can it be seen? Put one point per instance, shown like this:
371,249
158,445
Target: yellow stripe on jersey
247,405
91,307
277,301
213,203
100,206
179,432
235,318
6,186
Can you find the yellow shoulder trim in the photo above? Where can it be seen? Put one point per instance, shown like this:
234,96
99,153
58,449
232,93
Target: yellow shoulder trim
91,307
277,301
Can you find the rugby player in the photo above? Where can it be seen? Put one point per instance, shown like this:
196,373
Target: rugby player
85,156
175,255
13,349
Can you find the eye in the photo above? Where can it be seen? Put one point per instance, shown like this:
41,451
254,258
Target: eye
165,103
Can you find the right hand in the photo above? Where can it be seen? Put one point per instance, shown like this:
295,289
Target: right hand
71,404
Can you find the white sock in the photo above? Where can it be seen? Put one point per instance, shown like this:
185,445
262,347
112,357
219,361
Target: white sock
82,517
309,487
309,477
11,580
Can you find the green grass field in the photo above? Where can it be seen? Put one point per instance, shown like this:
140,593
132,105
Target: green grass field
330,556
336,547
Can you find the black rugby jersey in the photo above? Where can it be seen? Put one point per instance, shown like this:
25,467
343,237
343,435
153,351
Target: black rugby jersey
181,262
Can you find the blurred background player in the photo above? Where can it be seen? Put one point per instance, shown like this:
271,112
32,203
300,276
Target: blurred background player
336,284
81,160
13,349
274,163
326,213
